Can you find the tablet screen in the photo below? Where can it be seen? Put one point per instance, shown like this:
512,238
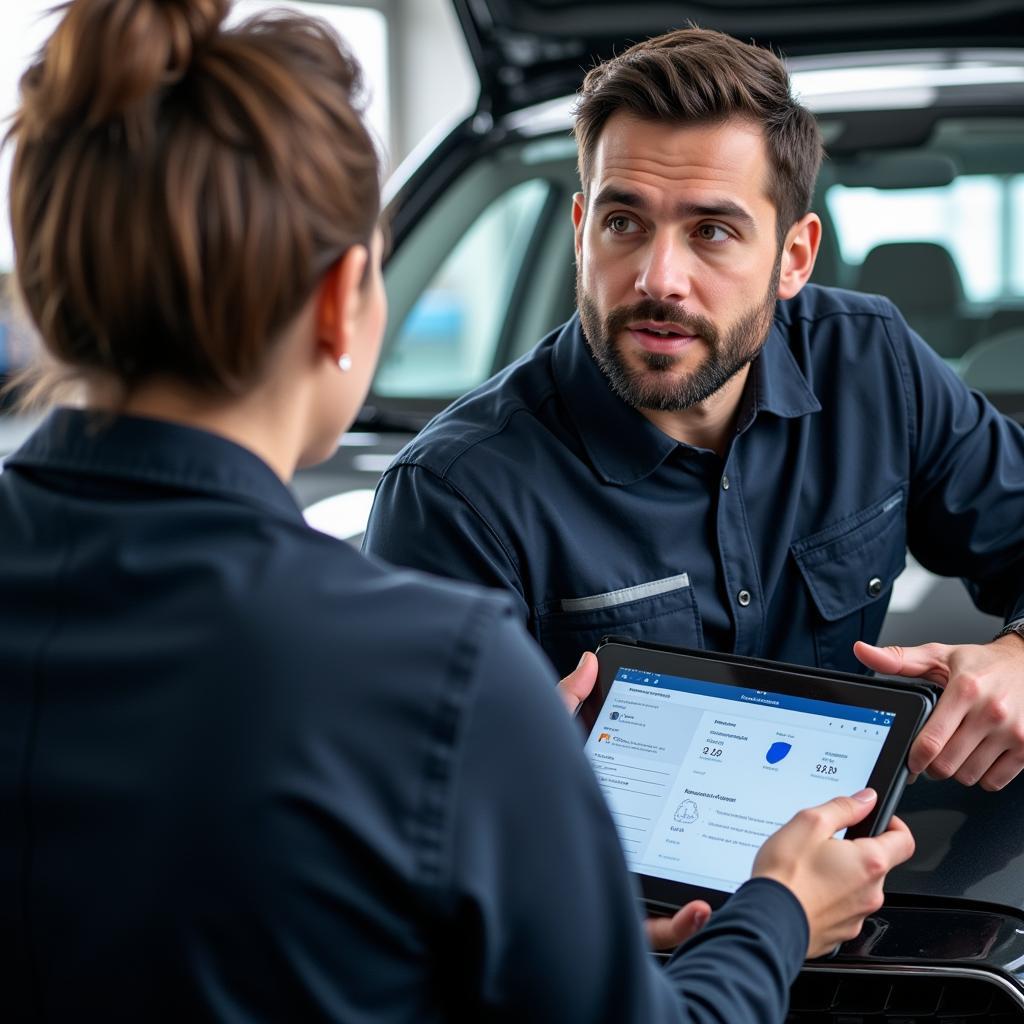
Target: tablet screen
698,774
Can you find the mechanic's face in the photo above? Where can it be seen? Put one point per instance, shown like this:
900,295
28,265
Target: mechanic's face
677,258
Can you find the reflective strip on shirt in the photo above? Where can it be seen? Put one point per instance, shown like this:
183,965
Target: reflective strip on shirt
626,594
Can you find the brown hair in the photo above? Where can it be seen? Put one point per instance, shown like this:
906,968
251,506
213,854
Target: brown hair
694,76
178,189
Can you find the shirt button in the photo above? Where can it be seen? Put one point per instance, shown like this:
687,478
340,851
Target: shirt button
874,586
725,483
744,598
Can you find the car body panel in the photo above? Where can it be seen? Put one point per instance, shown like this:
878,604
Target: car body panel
970,844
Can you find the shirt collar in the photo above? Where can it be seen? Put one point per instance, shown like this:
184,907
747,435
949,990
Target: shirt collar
778,383
623,445
142,450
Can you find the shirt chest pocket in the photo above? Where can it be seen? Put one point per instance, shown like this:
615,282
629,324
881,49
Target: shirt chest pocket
658,611
849,569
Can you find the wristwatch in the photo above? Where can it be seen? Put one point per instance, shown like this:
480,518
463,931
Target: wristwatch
1016,626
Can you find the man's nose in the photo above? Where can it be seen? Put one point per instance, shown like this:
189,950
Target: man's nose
665,273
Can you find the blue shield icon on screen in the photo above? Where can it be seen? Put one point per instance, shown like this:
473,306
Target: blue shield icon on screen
777,751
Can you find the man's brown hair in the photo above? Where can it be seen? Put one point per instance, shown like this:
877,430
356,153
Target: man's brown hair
179,189
696,76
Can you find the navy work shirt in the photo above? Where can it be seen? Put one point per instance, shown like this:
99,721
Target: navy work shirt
247,774
853,440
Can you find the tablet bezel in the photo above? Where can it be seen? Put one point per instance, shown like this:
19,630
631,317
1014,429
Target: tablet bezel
911,703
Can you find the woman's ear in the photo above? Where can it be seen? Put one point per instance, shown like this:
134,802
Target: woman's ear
340,301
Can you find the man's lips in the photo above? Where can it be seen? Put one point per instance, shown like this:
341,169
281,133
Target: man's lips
660,337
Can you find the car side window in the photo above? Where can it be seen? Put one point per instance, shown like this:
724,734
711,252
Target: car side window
939,229
447,341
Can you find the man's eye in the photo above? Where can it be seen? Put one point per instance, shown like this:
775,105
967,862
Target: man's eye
620,224
712,233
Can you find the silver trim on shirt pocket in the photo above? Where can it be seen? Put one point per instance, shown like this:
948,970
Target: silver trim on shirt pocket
626,594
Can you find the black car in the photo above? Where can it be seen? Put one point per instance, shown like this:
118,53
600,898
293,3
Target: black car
922,196
921,105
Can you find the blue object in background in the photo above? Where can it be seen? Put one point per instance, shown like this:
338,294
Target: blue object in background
777,751
437,317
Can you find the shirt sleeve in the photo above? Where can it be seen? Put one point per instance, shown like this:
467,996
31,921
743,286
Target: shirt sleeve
420,521
550,917
966,505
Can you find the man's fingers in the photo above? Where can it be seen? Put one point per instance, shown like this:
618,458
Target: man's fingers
950,758
926,661
981,760
669,932
942,724
970,751
576,686
1004,771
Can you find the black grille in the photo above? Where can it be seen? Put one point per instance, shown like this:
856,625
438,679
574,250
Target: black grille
840,997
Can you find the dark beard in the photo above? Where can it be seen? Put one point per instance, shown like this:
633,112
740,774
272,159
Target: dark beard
653,387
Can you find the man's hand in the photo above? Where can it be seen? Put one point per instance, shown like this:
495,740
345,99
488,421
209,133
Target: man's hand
976,732
838,882
576,686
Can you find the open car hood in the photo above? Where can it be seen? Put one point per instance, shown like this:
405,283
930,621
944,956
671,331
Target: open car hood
529,51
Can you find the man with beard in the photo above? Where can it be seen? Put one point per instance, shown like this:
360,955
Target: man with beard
714,453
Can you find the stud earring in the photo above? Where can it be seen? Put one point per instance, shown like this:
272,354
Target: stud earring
345,363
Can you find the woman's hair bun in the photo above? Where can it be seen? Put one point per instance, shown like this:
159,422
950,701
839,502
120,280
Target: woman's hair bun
204,17
107,57
179,189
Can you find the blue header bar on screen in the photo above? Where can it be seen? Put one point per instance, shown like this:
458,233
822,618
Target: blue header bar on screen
754,698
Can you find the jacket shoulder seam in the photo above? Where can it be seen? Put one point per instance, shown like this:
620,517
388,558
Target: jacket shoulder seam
414,458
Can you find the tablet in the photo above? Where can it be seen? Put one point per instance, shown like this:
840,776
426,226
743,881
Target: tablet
702,756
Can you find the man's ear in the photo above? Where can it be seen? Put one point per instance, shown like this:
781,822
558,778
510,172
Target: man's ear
799,252
340,300
579,215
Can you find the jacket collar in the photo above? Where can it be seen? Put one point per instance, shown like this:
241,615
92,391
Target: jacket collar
623,446
148,451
